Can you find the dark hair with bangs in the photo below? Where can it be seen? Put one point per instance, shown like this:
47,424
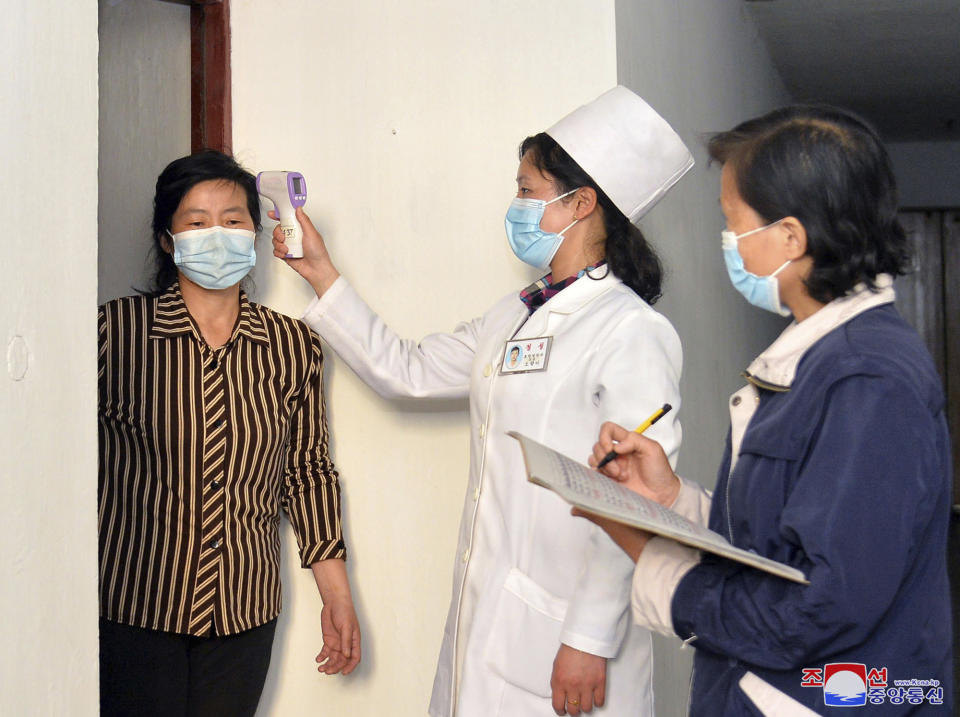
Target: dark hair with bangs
829,169
629,256
178,178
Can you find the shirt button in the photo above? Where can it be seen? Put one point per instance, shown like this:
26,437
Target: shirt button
487,370
466,555
215,485
735,400
215,544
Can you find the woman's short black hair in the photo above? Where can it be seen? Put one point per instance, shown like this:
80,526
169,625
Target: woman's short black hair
178,178
629,256
829,169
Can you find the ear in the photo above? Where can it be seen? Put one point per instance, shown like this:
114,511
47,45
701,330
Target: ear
584,202
166,243
795,239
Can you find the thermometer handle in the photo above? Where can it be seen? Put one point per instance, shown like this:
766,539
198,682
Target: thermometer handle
292,233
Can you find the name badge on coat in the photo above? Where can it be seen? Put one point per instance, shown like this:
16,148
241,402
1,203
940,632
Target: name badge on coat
526,355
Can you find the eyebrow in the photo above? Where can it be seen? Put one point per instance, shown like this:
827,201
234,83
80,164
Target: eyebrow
200,210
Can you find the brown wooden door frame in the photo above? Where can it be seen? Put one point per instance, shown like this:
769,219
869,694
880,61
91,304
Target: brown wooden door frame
211,122
211,109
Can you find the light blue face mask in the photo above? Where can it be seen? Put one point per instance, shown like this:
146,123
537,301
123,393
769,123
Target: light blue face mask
529,242
761,291
215,257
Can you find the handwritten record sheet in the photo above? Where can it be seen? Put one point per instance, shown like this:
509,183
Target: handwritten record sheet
595,493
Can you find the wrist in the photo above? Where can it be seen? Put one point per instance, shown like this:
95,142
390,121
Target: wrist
669,496
332,581
322,278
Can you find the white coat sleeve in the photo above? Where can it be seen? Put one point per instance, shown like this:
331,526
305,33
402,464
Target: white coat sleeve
637,370
436,367
664,562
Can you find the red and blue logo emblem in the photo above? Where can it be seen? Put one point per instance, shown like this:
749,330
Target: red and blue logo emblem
844,684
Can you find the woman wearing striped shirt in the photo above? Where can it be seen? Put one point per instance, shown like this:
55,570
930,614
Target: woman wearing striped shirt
211,420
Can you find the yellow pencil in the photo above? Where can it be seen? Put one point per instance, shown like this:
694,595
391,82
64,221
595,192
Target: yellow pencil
657,415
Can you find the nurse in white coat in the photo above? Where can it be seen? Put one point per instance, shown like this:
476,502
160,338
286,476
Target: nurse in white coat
539,619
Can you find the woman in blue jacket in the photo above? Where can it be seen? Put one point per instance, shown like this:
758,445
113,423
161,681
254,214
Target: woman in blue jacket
837,461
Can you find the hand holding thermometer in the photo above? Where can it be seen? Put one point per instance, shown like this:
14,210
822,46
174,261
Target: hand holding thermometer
657,415
287,191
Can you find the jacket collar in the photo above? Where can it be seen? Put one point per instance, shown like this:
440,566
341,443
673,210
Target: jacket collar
776,367
581,292
171,319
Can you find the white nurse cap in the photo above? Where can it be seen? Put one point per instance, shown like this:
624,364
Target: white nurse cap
629,150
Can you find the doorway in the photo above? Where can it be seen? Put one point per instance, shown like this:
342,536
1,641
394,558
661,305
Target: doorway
929,298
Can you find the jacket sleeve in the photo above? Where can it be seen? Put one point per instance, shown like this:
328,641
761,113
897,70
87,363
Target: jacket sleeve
436,367
637,371
867,486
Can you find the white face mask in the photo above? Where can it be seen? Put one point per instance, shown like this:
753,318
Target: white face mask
214,257
761,291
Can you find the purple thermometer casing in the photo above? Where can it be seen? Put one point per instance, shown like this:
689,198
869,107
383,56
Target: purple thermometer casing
297,189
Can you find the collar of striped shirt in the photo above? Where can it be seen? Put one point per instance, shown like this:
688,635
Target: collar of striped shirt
172,319
540,291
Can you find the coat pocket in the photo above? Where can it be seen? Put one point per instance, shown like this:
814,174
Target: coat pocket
525,634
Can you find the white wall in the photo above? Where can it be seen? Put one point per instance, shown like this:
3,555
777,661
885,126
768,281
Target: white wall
48,439
144,124
703,66
928,173
405,120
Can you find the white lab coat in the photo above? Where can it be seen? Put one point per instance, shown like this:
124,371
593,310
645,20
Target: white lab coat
527,574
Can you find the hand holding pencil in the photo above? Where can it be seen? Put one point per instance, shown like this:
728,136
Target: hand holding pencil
642,465
657,415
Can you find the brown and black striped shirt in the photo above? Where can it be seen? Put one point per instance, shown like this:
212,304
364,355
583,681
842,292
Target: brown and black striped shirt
200,448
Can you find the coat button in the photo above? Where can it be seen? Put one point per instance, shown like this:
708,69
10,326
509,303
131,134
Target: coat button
483,429
466,555
476,494
487,370
735,400
215,544
215,484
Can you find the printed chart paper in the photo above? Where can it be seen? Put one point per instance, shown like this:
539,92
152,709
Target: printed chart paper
595,493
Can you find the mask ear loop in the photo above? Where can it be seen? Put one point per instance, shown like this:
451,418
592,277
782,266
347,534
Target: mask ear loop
563,231
557,199
782,267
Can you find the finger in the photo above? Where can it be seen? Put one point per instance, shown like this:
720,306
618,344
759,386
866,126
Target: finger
324,654
305,221
559,701
573,705
346,640
600,694
355,651
611,433
586,701
333,665
577,513
272,214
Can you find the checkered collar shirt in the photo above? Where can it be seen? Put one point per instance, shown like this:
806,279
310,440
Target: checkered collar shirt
542,290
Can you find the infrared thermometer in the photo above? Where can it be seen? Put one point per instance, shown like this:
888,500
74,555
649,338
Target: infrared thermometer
287,191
